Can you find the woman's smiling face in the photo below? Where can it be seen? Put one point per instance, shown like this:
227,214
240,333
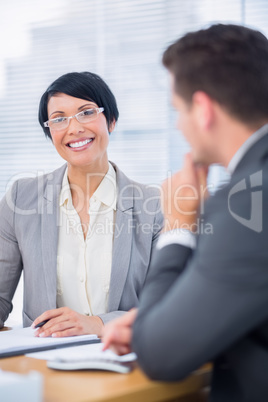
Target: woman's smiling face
80,144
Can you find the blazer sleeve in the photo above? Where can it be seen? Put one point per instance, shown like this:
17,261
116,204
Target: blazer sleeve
196,306
10,256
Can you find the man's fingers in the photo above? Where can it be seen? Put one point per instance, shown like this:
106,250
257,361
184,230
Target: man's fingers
120,349
119,341
117,336
118,333
130,317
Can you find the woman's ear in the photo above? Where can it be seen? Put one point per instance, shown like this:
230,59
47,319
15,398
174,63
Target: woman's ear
111,126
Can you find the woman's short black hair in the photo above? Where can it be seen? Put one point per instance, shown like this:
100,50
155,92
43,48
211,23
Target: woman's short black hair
84,85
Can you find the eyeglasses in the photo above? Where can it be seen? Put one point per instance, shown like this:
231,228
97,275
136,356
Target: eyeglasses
62,122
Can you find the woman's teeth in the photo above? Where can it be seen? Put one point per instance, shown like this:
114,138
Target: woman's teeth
80,143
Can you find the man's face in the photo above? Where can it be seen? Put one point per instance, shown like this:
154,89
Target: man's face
188,123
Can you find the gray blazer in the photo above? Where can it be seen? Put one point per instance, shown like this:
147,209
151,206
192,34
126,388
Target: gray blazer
29,225
212,302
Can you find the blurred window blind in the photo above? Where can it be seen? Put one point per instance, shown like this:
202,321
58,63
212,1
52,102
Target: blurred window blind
120,40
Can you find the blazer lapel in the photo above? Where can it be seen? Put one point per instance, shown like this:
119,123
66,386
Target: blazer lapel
50,230
122,239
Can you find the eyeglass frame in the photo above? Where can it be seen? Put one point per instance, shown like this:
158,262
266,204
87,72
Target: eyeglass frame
68,118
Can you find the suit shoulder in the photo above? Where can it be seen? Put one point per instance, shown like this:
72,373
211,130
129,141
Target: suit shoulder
26,191
149,190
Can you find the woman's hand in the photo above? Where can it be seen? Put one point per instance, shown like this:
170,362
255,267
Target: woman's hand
117,335
66,322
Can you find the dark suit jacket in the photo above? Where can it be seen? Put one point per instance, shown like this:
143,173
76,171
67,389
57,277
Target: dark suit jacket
211,304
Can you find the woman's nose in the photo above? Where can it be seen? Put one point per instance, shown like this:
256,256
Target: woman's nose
75,126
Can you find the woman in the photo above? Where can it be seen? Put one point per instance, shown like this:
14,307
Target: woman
83,235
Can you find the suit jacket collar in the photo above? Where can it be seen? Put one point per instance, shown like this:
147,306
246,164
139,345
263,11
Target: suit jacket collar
257,152
122,238
124,187
125,190
53,184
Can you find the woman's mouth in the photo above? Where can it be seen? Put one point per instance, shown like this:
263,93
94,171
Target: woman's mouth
79,144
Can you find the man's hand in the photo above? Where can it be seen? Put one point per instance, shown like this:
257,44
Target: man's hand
66,322
183,195
117,335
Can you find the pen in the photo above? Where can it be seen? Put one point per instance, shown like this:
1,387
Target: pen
41,324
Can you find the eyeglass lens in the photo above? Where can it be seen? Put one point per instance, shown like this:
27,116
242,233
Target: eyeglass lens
63,122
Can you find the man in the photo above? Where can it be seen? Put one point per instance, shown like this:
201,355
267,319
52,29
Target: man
208,297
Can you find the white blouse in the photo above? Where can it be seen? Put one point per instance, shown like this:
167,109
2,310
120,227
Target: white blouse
84,265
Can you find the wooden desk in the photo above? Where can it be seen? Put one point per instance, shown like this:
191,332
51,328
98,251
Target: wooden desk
98,386
74,386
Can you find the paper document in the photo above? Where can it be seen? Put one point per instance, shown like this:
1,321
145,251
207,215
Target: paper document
87,357
82,352
21,341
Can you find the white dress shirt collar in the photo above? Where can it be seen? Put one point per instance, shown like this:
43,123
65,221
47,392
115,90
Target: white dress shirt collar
106,192
245,148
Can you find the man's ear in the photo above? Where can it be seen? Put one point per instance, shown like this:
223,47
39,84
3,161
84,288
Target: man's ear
111,126
204,109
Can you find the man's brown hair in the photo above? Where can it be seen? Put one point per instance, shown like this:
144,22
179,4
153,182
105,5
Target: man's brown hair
229,63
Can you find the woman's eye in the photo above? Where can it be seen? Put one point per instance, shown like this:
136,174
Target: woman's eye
58,119
87,112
